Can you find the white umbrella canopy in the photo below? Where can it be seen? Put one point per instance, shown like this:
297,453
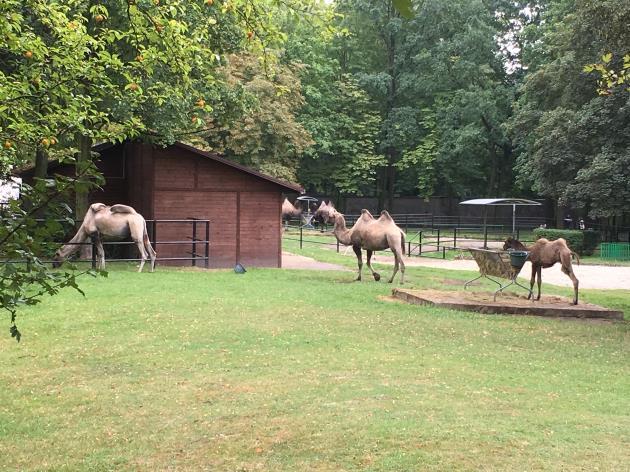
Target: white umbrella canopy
513,202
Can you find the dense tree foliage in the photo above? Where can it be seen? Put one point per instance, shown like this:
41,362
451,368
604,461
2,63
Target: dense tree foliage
76,72
470,98
574,141
267,135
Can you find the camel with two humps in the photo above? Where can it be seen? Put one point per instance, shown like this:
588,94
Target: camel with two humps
544,254
371,235
116,222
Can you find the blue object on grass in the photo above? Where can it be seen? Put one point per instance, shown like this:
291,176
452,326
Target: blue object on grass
239,269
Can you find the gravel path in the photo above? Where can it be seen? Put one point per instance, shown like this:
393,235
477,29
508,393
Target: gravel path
590,276
294,261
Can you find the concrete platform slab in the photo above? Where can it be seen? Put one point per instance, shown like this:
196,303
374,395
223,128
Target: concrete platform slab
508,303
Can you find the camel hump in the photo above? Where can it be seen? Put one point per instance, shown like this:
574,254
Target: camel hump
366,212
95,207
386,216
122,209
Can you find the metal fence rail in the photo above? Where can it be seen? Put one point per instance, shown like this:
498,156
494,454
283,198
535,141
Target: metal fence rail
193,240
199,227
422,242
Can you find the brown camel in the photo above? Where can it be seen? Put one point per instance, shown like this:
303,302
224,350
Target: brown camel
544,254
372,235
322,214
289,210
323,211
118,222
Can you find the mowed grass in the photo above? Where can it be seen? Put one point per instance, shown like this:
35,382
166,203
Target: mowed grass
300,370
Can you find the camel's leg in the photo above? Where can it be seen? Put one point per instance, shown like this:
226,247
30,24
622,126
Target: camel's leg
375,274
576,283
398,263
396,266
143,254
149,249
399,257
539,273
532,281
100,252
567,268
357,251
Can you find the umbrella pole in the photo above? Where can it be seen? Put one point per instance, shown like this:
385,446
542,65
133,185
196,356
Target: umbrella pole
513,221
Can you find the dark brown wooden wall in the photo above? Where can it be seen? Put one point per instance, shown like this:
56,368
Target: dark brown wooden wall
175,183
244,210
112,164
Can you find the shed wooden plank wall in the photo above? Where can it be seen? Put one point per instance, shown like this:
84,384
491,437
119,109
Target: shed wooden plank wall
260,244
139,168
113,167
243,209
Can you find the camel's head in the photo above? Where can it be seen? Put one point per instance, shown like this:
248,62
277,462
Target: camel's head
509,243
57,260
331,215
322,215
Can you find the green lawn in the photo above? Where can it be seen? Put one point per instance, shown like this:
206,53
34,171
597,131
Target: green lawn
299,370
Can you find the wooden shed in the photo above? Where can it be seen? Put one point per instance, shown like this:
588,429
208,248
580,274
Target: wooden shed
179,182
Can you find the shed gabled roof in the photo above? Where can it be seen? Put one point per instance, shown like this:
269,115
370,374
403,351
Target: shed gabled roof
500,201
215,157
291,187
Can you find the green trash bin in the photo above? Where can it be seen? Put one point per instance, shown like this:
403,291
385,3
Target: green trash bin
518,258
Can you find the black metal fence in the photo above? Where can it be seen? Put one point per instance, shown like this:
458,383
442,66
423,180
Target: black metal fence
428,241
199,226
427,235
199,243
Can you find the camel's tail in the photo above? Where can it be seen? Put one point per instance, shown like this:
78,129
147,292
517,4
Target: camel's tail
147,241
402,242
577,258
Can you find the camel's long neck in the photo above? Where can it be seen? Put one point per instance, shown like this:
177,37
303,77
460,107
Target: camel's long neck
74,244
521,247
341,232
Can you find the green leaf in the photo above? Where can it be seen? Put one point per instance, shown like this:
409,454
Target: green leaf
404,8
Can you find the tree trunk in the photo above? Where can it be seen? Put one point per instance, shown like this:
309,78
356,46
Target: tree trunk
494,160
41,163
81,193
389,174
391,179
494,171
381,176
83,158
559,214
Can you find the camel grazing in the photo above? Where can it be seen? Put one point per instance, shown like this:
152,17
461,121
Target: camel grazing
544,254
289,210
372,235
117,221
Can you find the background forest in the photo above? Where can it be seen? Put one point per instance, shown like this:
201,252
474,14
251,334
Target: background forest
377,98
464,98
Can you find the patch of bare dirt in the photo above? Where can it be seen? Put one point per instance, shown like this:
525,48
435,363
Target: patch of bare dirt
506,303
488,297
454,282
